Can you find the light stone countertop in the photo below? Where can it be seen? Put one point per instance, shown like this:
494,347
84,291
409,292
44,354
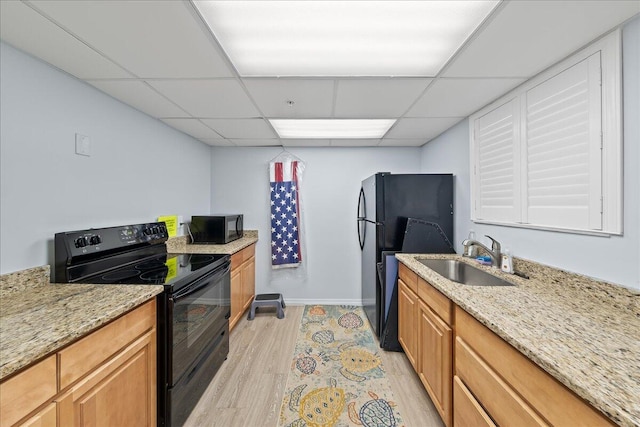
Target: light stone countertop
583,332
180,245
38,318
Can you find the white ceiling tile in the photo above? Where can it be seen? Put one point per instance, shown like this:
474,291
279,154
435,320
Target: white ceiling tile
389,142
149,38
377,98
241,128
139,95
193,127
221,98
305,142
26,29
355,142
460,97
528,36
424,129
312,98
256,142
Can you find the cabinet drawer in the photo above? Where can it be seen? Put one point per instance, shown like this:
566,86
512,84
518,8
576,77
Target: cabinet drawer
466,410
87,354
408,277
46,417
554,402
500,401
26,391
439,303
248,252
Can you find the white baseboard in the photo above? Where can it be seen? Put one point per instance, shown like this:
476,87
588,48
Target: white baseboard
293,301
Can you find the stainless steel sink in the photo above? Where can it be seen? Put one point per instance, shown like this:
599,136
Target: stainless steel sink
463,273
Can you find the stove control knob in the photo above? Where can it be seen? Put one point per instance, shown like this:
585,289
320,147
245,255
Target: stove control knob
154,230
95,240
163,229
147,231
81,242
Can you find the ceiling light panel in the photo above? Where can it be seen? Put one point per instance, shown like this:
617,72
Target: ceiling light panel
342,38
331,128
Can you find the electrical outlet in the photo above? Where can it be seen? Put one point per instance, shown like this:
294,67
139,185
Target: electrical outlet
83,145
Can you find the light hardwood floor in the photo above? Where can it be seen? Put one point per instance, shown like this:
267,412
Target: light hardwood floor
248,389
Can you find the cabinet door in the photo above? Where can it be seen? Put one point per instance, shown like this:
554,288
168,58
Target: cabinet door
120,392
44,418
435,364
407,321
248,282
236,296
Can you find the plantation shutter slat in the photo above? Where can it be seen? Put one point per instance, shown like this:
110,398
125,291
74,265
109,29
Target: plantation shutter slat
562,182
496,171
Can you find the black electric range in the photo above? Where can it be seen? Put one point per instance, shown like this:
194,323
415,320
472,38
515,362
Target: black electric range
193,310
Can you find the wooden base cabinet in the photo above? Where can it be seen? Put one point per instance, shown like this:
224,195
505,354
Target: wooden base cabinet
511,388
425,333
243,282
407,319
435,367
107,378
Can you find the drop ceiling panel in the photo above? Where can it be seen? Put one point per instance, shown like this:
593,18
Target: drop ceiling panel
256,142
528,36
208,98
26,29
424,129
389,142
149,38
193,127
377,98
305,142
241,128
354,142
139,95
460,97
312,98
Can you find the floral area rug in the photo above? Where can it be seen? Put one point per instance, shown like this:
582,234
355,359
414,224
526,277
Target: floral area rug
337,377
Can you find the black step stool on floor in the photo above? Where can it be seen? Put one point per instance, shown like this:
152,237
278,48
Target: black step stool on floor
267,300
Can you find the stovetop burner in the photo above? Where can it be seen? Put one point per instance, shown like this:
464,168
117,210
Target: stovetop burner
157,276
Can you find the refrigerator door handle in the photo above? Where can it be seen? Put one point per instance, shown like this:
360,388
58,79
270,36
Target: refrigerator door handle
362,214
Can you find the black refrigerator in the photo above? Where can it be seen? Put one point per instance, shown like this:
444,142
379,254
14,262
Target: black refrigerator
386,203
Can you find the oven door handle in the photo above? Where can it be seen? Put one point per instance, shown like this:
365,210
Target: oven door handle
202,282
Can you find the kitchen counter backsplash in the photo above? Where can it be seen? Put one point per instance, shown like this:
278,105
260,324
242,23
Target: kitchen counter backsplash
582,331
182,244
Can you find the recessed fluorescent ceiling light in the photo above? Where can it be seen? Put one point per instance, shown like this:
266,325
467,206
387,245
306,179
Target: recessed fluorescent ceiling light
342,38
338,128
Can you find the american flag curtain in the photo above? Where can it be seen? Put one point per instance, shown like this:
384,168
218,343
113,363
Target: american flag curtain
285,214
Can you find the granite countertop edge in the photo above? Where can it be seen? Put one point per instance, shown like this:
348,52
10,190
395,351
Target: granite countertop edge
31,330
615,398
181,244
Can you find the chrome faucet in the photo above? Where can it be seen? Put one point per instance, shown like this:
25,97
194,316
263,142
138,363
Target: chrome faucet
494,252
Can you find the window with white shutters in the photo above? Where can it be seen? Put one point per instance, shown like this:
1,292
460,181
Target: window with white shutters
548,154
497,171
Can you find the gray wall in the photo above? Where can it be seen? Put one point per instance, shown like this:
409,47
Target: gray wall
616,258
139,167
330,189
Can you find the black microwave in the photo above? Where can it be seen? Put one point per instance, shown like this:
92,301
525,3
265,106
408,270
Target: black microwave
216,228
